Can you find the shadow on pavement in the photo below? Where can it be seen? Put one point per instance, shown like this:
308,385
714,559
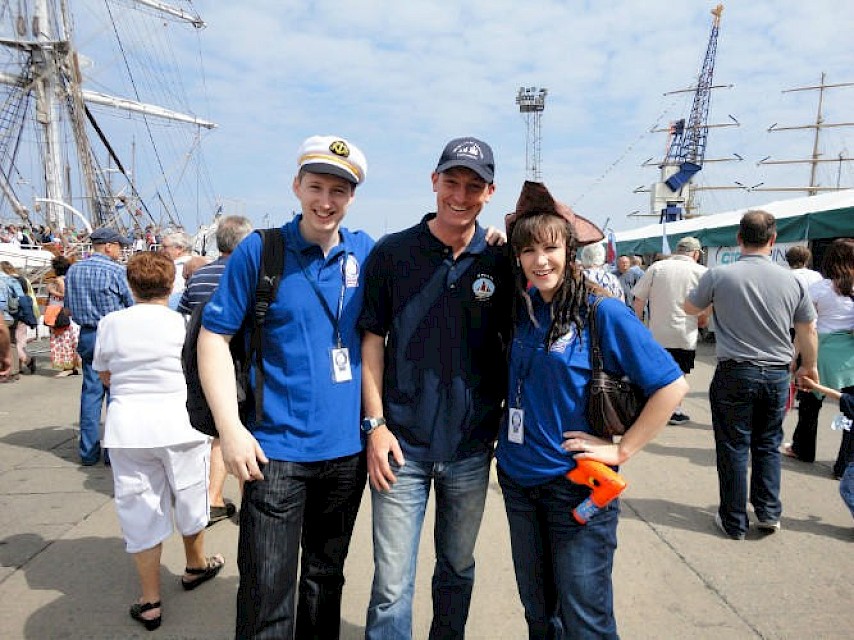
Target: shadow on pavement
700,456
89,583
350,631
61,442
666,513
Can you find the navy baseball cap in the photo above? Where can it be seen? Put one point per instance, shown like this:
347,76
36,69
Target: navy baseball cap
105,235
470,153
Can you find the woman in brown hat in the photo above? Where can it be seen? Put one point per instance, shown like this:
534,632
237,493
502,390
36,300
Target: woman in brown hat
563,568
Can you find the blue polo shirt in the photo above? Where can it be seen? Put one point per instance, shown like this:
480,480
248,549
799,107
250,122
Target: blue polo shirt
554,383
308,417
445,365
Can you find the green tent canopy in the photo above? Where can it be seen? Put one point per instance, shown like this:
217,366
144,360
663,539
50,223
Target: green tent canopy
830,215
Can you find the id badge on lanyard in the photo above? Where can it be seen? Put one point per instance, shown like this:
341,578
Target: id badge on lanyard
516,414
339,355
340,359
516,426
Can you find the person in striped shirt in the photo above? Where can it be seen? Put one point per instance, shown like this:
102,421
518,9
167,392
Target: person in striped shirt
200,287
204,281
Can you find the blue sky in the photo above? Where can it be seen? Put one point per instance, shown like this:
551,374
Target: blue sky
399,79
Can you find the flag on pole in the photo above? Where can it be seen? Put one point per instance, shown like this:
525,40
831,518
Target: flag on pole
665,245
611,255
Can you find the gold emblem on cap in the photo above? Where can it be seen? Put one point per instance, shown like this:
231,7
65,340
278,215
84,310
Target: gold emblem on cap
340,148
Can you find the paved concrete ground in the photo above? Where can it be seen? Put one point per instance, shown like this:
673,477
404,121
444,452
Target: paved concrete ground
64,572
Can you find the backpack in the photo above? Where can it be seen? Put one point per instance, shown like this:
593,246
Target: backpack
269,275
28,309
9,299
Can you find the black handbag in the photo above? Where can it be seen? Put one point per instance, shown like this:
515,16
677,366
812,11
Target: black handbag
614,402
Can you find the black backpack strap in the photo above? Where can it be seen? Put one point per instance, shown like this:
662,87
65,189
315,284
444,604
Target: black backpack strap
269,275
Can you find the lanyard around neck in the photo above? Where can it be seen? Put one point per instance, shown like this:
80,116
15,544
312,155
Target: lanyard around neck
334,318
528,351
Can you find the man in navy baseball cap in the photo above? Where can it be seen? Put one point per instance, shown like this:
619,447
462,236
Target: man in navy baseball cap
470,153
435,319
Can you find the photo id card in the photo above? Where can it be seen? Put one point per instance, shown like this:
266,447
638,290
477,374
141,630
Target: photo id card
516,426
341,371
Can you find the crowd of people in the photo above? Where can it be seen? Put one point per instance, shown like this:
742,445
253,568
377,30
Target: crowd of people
70,245
411,363
28,236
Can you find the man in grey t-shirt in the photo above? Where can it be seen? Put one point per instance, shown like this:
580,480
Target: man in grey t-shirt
755,302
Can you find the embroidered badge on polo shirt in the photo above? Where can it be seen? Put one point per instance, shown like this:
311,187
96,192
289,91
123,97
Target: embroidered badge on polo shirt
351,272
561,343
483,287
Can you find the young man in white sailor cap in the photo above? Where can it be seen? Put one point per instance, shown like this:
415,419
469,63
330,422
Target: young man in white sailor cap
303,461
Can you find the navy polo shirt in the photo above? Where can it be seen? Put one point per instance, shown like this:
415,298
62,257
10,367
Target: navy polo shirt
445,364
307,416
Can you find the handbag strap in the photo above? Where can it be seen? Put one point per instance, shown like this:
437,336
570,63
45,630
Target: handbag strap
596,362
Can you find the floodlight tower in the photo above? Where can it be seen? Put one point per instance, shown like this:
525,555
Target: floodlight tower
532,103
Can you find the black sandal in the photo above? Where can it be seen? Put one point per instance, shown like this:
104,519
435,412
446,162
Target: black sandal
218,513
138,608
203,574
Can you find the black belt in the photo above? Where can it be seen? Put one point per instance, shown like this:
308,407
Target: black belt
729,364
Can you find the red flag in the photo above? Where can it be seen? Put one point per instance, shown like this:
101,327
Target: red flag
611,251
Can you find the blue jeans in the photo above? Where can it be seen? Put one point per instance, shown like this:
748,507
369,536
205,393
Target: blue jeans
846,487
563,568
748,406
309,507
91,400
397,518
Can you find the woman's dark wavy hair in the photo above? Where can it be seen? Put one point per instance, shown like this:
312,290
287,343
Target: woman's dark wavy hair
838,265
60,265
569,304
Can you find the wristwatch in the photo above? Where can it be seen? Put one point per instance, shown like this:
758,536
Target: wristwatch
369,425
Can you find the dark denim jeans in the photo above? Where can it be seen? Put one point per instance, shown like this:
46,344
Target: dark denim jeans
748,406
91,400
563,568
806,431
312,505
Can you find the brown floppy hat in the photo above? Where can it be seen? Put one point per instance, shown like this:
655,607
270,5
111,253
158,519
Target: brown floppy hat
535,198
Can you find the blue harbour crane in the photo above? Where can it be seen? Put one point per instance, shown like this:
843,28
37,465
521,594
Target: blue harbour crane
687,144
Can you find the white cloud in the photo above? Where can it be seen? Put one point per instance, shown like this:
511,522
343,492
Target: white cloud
401,78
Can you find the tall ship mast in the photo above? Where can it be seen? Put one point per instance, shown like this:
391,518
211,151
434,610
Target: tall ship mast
816,159
57,163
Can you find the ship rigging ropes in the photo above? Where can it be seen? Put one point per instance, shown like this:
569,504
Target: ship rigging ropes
598,180
152,74
12,119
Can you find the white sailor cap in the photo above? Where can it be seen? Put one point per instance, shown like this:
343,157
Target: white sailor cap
333,155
